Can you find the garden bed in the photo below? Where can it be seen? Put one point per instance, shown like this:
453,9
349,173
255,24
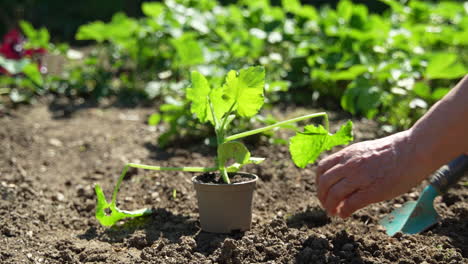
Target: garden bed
51,156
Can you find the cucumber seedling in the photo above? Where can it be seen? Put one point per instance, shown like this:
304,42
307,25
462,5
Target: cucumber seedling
241,95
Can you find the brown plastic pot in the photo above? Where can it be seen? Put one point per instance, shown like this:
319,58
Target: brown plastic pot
224,208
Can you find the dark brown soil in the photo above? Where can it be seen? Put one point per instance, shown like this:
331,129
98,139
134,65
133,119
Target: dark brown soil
50,159
215,178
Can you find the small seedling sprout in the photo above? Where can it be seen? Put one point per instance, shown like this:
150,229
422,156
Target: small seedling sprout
241,95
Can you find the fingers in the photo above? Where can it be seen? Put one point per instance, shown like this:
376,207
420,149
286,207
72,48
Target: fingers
328,179
338,192
354,202
325,165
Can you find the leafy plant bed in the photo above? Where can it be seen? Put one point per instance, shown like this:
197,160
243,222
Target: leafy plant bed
48,167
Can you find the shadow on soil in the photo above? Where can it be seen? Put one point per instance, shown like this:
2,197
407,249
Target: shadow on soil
207,243
312,217
322,250
143,231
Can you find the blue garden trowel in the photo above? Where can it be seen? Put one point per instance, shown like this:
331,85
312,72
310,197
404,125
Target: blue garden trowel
414,217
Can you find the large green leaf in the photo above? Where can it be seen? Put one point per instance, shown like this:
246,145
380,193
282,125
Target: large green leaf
198,94
233,150
445,65
305,147
246,90
220,104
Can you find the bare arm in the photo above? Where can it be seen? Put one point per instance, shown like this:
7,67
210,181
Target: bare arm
442,133
377,170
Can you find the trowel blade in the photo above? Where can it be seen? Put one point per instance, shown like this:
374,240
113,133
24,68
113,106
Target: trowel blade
413,217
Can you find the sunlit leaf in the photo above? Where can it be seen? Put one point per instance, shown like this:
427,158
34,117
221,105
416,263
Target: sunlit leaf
445,65
198,94
305,147
246,89
152,9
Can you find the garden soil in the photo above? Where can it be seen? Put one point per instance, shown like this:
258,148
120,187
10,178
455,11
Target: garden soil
51,156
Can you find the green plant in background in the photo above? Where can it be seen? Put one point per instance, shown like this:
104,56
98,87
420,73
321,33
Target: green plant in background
385,67
390,67
241,95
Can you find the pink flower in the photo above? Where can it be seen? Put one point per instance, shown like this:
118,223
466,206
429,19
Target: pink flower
12,48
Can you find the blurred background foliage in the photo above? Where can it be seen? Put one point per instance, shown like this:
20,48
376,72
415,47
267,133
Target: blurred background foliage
384,60
62,18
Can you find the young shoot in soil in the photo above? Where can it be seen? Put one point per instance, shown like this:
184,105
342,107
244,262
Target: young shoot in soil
241,95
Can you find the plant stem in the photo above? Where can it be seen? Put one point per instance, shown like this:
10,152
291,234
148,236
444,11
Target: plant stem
215,119
263,129
219,132
227,117
225,176
157,168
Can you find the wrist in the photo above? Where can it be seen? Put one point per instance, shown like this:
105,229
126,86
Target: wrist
431,149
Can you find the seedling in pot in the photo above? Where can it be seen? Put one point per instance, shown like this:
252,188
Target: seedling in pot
242,96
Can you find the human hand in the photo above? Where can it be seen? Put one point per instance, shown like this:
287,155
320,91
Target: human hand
368,172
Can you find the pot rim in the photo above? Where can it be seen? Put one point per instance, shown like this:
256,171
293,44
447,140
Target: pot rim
224,184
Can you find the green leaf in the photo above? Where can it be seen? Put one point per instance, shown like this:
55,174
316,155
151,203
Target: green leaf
220,105
422,90
445,65
246,90
27,29
305,147
291,5
295,7
92,31
361,97
152,9
233,150
198,94
349,74
235,167
120,29
345,9
439,93
116,214
189,51
31,70
154,119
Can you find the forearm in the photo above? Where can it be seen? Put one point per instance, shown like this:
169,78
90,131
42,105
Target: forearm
442,133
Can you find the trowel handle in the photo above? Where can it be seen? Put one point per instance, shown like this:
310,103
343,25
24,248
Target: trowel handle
449,174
